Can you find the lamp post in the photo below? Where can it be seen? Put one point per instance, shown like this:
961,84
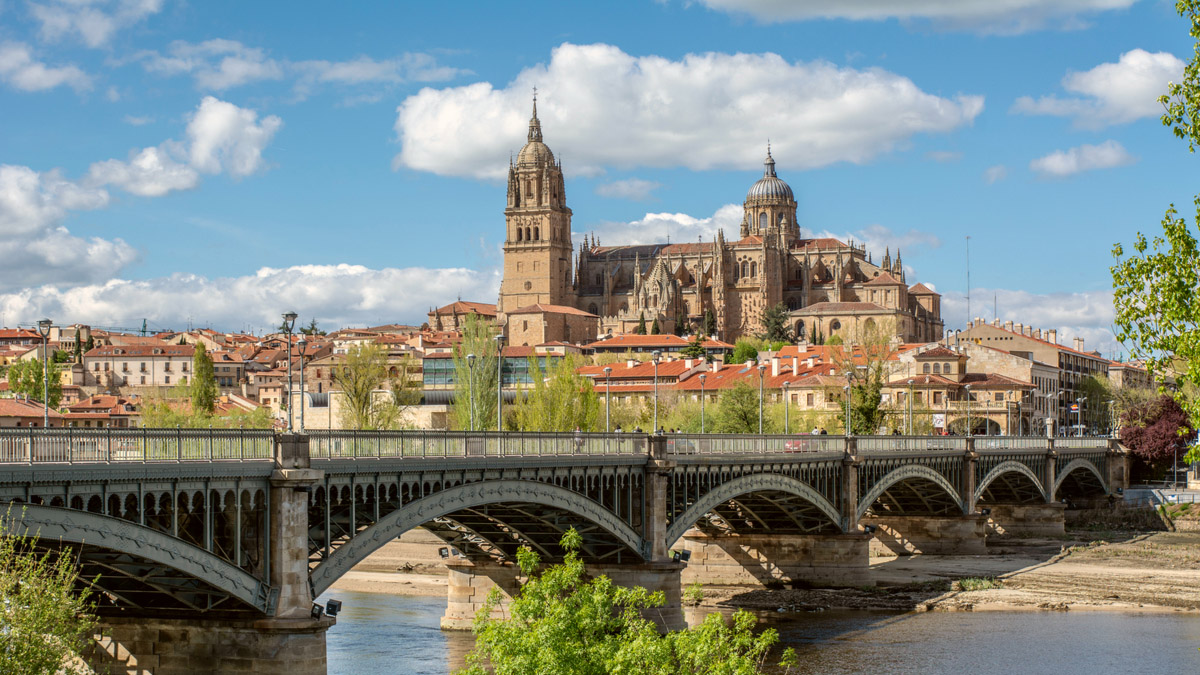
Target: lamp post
607,399
43,329
301,344
703,377
1079,416
654,359
970,429
786,403
289,321
910,408
849,396
499,380
762,368
471,389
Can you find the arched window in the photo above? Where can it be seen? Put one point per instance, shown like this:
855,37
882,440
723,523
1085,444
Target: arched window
762,221
520,234
754,269
937,369
925,369
745,268
527,237
536,235
800,327
624,307
592,309
946,368
780,220
599,282
529,188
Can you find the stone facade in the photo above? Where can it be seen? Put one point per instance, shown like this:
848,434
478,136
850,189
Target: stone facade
755,560
928,535
830,286
1026,520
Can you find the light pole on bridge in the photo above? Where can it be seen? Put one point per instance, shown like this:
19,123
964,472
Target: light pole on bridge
655,355
970,430
471,389
607,399
849,396
786,404
703,377
289,321
499,381
910,408
43,329
301,345
762,369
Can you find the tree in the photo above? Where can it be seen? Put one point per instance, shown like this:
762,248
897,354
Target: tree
45,623
833,341
745,349
1158,432
1154,290
78,351
204,383
312,329
868,365
694,348
737,410
91,344
641,327
475,387
563,622
25,378
367,403
775,321
710,323
561,399
654,329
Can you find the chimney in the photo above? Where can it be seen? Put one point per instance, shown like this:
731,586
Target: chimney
996,322
774,366
1019,328
1008,325
688,363
795,364
630,363
1052,335
1037,334
1028,331
716,366
1078,344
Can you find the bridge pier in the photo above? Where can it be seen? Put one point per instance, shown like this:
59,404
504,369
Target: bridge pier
928,535
817,559
1026,520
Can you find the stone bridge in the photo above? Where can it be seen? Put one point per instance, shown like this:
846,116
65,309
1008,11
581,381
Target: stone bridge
195,540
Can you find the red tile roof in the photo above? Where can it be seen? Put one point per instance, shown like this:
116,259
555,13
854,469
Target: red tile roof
15,407
937,353
884,279
841,307
550,309
463,307
664,341
922,289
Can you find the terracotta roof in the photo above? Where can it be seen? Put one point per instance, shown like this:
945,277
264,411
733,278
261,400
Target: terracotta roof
163,349
938,353
884,279
19,334
822,242
462,307
1064,348
840,307
665,341
922,289
550,309
14,407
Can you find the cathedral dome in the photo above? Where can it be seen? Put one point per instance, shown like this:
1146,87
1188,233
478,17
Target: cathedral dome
535,152
770,186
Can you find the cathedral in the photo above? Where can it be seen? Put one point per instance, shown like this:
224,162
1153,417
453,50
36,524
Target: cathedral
552,291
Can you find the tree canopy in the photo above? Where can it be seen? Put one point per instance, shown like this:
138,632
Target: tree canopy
694,348
204,382
737,410
1158,431
25,378
641,326
369,399
775,324
475,384
745,349
560,400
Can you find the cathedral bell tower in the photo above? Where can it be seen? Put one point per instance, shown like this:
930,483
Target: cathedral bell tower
537,242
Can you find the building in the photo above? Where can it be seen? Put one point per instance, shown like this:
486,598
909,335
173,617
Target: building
19,412
830,287
454,315
140,365
647,344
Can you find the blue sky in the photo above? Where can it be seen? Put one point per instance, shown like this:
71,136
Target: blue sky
219,162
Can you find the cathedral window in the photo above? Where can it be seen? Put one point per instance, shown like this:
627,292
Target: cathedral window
527,237
592,309
754,269
762,221
925,369
937,369
519,234
536,235
529,188
834,325
599,281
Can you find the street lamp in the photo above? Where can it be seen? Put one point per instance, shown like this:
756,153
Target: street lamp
301,344
471,388
786,403
499,380
970,429
654,359
703,377
910,408
762,368
289,320
43,329
849,396
1079,416
607,399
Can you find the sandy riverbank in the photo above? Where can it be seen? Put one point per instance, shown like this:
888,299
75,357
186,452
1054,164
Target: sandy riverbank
1083,571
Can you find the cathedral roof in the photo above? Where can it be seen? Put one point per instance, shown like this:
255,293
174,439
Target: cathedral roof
884,279
922,289
840,307
823,242
549,309
770,186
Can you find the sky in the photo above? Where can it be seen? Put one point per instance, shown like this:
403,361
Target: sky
219,163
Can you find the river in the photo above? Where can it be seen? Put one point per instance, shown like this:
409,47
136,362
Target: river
386,634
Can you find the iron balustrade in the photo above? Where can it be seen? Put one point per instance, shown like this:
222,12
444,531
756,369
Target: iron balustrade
910,443
380,444
1081,442
69,445
752,444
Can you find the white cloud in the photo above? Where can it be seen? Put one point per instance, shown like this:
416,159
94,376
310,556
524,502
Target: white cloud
985,16
215,64
336,295
634,189
1111,93
995,174
944,155
879,239
150,172
35,248
93,21
1061,163
21,71
138,121
602,107
409,67
658,228
1086,314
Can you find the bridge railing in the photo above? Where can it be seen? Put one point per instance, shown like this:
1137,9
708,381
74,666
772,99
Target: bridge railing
69,445
746,444
909,443
1079,442
380,444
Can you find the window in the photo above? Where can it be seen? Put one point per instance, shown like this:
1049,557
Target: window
96,366
143,379
809,400
925,369
937,397
946,369
168,379
536,235
754,269
937,368
835,325
519,234
999,396
762,221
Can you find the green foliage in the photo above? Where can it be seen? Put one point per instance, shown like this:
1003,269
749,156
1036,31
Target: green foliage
832,340
25,378
775,323
204,382
44,622
312,329
475,389
169,414
710,323
694,348
641,327
59,356
91,344
369,400
78,352
561,399
654,329
977,584
563,623
737,411
746,349
1154,288
693,595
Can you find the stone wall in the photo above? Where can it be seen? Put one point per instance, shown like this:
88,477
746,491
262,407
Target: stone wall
1026,520
822,560
929,535
189,646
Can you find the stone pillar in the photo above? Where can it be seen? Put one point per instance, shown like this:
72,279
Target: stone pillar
760,559
1051,472
655,576
1118,467
658,484
849,505
291,484
1026,520
969,477
929,535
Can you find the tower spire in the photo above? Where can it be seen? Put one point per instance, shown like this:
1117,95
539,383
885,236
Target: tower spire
535,125
769,163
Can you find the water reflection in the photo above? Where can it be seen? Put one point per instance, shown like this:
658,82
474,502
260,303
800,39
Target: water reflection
385,634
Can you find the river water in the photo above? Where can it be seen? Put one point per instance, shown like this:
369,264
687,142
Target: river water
386,634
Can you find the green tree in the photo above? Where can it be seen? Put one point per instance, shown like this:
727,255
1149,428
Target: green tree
369,400
654,329
475,386
78,352
775,322
25,378
745,349
710,323
91,344
45,622
560,400
204,382
1154,288
694,348
563,622
737,410
312,329
832,341
641,327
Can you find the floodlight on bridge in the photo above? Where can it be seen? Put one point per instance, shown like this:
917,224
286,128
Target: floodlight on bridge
317,611
870,529
681,556
985,512
444,552
333,607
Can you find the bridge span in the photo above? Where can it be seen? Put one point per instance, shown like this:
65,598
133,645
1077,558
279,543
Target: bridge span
206,548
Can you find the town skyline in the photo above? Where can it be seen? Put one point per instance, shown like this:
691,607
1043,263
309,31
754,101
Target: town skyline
164,165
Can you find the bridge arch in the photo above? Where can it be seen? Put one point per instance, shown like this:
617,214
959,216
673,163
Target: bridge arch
98,532
1076,465
1008,466
904,474
466,496
746,485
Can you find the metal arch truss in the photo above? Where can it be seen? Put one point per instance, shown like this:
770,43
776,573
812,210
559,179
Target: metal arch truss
910,476
135,562
1008,467
486,505
760,485
1075,465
